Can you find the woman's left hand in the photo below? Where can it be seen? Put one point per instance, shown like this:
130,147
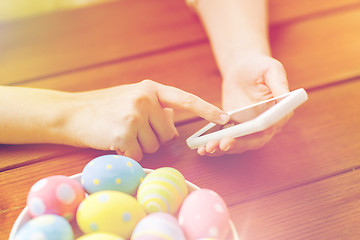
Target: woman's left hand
253,78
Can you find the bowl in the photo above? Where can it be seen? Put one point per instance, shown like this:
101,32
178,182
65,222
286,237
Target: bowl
24,216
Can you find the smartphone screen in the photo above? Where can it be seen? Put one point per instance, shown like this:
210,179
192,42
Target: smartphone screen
246,114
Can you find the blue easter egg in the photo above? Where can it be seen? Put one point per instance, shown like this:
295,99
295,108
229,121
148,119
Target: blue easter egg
49,227
114,173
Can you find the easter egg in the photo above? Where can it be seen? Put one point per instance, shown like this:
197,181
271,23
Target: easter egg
158,226
100,236
204,214
112,172
58,195
110,212
162,190
49,227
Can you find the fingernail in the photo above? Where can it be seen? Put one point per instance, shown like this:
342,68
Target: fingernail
224,118
226,149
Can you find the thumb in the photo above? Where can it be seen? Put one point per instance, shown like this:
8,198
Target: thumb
172,97
276,79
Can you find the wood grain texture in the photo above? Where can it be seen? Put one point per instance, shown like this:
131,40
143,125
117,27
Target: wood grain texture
328,209
320,50
67,41
304,152
301,48
304,184
285,11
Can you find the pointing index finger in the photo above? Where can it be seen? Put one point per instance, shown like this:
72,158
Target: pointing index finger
176,98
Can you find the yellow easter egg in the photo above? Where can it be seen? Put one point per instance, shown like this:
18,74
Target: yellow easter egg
162,190
110,212
98,236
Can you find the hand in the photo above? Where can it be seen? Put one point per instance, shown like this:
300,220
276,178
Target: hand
253,78
132,119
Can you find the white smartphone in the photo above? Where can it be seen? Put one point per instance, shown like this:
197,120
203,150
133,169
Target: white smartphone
250,119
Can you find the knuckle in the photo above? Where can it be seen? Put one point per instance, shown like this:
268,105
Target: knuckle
187,100
142,99
131,120
147,83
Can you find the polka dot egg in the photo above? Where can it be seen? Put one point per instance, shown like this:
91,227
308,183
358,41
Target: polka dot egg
158,226
46,227
114,173
204,215
58,195
111,212
163,190
100,236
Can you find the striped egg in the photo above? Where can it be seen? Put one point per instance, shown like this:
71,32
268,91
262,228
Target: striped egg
98,236
162,190
158,226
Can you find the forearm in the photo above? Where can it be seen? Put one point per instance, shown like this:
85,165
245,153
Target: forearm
234,27
32,115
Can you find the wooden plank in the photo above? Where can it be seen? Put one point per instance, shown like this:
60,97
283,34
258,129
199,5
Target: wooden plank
327,209
321,50
309,59
304,152
65,41
282,11
13,156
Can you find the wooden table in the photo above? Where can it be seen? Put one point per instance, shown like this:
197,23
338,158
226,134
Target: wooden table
304,184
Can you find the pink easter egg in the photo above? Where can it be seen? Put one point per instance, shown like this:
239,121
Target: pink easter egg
58,195
204,214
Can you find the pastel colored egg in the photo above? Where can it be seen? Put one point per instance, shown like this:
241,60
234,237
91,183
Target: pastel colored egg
158,226
207,239
58,195
49,227
114,173
100,236
111,212
162,190
204,214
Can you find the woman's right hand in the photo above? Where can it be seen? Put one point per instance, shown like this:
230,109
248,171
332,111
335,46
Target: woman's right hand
132,119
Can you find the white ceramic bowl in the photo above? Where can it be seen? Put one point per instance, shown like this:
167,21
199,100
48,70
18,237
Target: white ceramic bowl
24,216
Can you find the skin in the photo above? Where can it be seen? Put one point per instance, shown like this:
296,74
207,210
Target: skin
238,34
130,119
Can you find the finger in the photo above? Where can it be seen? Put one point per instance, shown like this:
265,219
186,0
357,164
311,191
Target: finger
147,139
175,98
201,150
162,124
276,79
131,147
226,144
212,147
